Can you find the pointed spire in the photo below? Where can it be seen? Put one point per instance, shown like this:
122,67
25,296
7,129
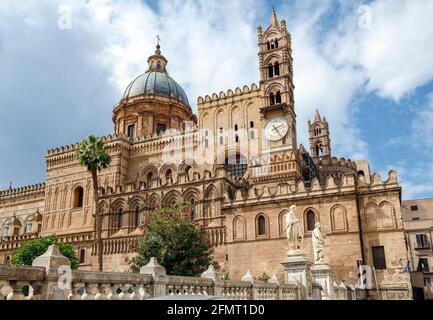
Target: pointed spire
10,185
158,46
274,20
317,117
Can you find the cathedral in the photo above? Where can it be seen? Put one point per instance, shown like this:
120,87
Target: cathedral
237,162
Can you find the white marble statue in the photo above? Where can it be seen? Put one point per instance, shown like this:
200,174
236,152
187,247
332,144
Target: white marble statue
293,230
318,239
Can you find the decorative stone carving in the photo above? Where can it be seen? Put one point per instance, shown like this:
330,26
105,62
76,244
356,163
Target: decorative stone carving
318,239
293,231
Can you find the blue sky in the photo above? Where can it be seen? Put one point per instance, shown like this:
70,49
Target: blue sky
366,65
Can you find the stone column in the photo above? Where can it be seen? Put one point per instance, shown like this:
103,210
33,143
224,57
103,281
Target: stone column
297,270
159,275
58,274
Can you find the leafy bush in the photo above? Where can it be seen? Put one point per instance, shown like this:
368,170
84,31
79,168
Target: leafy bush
34,248
179,244
264,277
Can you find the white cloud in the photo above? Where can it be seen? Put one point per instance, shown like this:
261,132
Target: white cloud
395,53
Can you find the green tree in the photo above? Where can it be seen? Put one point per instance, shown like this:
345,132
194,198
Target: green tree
93,155
264,277
31,249
180,244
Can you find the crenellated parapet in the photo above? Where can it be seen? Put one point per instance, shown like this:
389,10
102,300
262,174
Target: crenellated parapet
284,190
376,183
229,96
35,190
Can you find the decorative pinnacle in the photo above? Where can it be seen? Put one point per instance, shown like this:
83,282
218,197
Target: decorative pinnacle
158,47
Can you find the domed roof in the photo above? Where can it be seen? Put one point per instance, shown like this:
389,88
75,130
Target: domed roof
158,83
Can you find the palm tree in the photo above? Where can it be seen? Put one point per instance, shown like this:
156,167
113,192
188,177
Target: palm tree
93,155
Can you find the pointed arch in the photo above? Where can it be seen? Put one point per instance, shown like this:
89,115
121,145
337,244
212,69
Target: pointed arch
170,199
311,216
239,228
338,218
282,222
262,225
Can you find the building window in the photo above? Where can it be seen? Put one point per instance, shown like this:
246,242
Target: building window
120,218
168,176
78,197
270,71
427,282
268,45
137,217
311,220
236,127
379,261
28,227
278,97
413,208
272,99
252,135
236,165
5,230
82,255
252,124
206,143
261,221
422,241
236,138
423,265
160,127
361,173
277,69
131,131
319,149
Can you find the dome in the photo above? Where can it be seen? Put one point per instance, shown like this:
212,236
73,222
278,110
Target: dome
158,83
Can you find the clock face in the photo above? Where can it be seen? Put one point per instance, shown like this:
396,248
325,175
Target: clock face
276,129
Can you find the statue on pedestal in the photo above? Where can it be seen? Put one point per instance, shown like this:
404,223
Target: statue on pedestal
318,239
293,230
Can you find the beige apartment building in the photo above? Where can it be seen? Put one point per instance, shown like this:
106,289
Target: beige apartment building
238,163
417,218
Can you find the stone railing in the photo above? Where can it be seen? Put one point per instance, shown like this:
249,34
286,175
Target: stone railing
50,278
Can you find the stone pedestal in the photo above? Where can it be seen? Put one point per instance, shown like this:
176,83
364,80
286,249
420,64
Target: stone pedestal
297,270
322,276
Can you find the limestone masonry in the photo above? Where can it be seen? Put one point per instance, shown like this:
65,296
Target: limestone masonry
237,162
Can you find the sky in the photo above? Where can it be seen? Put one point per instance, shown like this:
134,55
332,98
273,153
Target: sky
365,65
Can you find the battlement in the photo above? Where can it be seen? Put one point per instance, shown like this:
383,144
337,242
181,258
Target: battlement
335,162
23,191
300,190
222,96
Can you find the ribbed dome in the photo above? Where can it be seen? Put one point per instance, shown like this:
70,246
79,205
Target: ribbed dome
158,83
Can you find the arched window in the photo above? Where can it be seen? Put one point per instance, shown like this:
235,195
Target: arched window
276,43
236,138
277,69
168,175
5,229
149,178
187,171
236,165
268,45
137,219
361,173
8,258
319,149
120,218
82,255
206,143
311,220
29,227
78,197
270,71
272,44
272,99
221,136
278,97
236,127
252,124
261,228
252,134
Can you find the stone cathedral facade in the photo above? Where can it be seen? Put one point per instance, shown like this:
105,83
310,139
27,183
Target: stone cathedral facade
239,165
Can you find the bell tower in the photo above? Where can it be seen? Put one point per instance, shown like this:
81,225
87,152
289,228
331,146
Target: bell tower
276,85
320,143
279,159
